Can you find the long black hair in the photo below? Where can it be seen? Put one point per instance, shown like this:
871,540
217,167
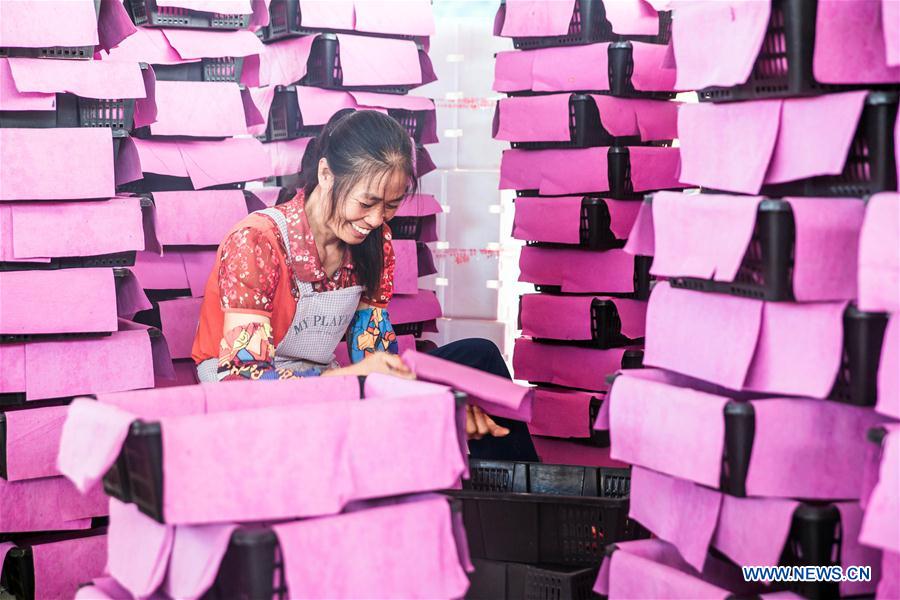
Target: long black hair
360,144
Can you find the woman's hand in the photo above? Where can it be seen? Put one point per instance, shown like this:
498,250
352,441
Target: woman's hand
478,424
376,362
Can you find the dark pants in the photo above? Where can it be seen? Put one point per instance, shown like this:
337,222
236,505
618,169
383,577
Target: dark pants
483,355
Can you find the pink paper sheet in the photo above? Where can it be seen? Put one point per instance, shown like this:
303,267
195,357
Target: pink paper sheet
735,29
548,219
63,23
569,317
225,7
569,366
114,24
879,263
328,14
369,61
527,18
416,553
780,348
179,319
268,196
196,558
409,308
148,45
199,108
210,43
38,164
881,524
406,270
533,118
53,505
862,27
578,271
285,157
79,228
632,18
564,452
12,99
398,17
497,395
32,442
211,163
318,105
89,79
641,237
200,218
60,567
198,266
139,549
889,586
285,62
45,302
130,298
888,375
155,272
561,413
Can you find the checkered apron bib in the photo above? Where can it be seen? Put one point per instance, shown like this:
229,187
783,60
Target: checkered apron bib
319,324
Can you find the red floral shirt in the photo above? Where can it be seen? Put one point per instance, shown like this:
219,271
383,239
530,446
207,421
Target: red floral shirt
253,275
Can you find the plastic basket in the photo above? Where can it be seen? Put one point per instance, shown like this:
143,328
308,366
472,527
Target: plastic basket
494,580
606,328
285,20
641,281
153,182
324,68
413,329
784,66
857,380
406,228
207,69
871,163
588,25
117,259
74,111
70,52
146,13
814,540
594,227
766,271
538,513
253,567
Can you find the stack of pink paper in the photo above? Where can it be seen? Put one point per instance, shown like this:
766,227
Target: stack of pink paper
181,532
67,296
591,122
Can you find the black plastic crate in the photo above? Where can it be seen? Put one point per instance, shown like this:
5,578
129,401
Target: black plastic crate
285,18
871,163
153,182
117,259
207,69
606,328
253,567
74,111
857,380
766,271
538,513
814,540
585,128
594,228
406,228
71,52
588,25
641,281
146,13
494,580
784,66
413,329
324,68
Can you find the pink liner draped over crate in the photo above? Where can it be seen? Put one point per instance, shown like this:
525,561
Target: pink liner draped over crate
707,236
881,524
415,308
415,535
558,220
632,18
419,205
179,318
53,505
566,172
284,63
888,374
406,267
578,271
561,413
653,568
89,79
60,567
774,347
680,431
749,531
576,68
86,228
569,317
397,17
62,23
175,270
879,263
767,141
226,7
846,50
566,452
196,218
205,162
546,118
199,109
199,486
535,18
32,442
285,157
569,366
128,355
41,164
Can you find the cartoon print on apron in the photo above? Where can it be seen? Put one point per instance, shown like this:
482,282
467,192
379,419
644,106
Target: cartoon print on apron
319,324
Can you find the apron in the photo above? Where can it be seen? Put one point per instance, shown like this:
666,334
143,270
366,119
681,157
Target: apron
319,324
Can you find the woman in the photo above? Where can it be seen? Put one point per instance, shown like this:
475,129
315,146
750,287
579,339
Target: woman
290,282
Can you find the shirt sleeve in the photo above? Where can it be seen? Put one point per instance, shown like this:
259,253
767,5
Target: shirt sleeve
249,271
386,288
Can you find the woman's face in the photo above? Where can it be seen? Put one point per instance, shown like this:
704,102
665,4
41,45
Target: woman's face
370,203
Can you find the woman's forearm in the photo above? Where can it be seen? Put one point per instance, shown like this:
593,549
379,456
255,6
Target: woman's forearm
370,331
248,352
